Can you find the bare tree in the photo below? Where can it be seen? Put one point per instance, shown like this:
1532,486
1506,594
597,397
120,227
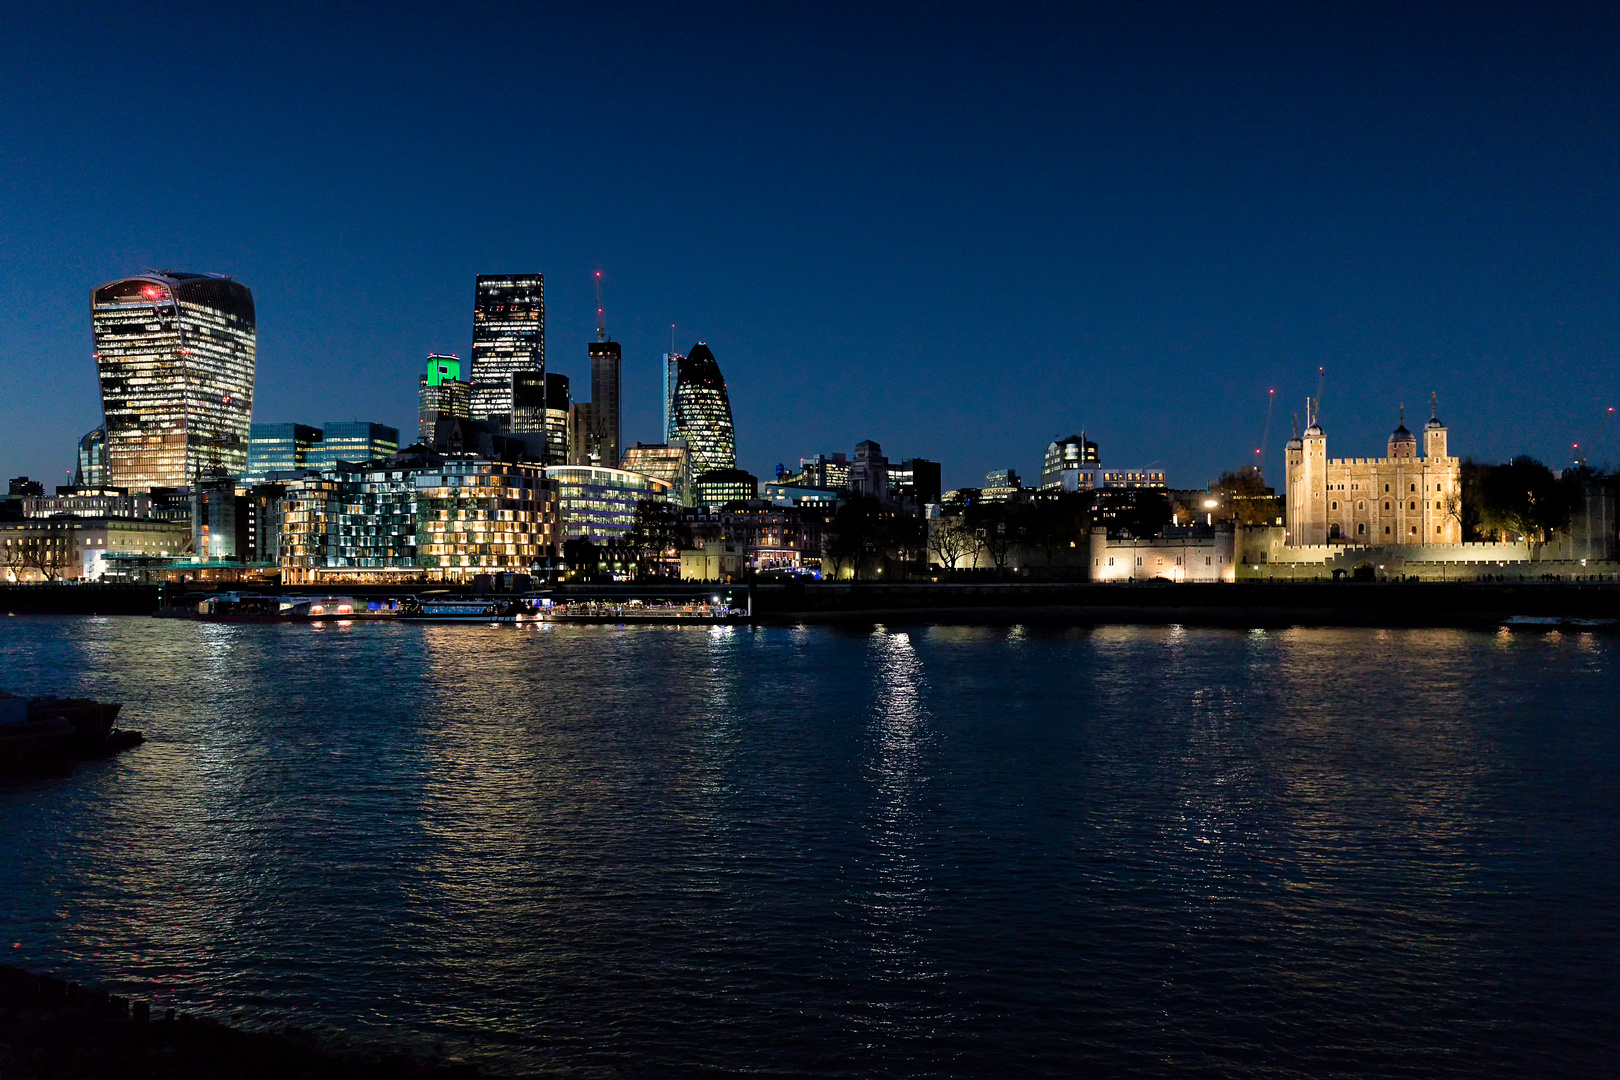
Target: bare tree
50,550
13,557
950,540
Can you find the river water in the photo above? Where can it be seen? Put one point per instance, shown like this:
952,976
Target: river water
904,850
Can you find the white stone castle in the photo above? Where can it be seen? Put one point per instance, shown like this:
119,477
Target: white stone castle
1399,499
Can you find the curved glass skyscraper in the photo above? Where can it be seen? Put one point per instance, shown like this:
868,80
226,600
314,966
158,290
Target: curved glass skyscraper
702,412
175,354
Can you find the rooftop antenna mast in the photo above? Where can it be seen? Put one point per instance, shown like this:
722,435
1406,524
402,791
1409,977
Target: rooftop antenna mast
601,332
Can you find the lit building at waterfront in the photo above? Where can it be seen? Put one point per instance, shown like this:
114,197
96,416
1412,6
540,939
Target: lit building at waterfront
276,448
764,535
443,400
703,412
599,504
415,518
77,548
175,355
509,336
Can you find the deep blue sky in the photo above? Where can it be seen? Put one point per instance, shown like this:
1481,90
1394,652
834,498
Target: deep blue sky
959,231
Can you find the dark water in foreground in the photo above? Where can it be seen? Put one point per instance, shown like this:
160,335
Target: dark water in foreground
905,850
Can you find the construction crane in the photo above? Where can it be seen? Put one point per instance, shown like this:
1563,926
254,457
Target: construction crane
1583,451
1265,436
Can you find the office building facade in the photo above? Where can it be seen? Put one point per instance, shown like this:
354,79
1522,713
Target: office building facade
703,412
175,356
509,336
671,463
599,504
721,486
1067,455
276,448
353,441
559,424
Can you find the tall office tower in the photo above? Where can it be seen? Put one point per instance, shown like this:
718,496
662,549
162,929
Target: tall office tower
672,378
280,448
703,412
509,335
175,354
442,398
92,471
559,432
604,415
354,440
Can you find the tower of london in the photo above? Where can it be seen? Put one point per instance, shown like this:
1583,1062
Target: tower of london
1402,498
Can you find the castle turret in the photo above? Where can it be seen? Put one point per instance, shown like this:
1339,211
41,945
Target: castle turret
1402,443
1434,432
1307,479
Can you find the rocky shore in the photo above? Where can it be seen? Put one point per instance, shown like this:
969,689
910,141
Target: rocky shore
51,1029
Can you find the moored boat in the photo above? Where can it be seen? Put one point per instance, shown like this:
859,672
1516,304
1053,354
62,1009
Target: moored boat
237,607
46,730
484,609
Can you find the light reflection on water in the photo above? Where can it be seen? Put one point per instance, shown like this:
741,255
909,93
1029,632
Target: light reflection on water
914,850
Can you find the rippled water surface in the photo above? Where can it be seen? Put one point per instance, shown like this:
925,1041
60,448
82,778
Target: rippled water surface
903,850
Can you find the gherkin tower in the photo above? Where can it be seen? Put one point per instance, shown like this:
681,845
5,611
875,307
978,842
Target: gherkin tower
702,412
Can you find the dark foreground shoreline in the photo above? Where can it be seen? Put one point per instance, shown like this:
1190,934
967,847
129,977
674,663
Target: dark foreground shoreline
1241,605
51,1029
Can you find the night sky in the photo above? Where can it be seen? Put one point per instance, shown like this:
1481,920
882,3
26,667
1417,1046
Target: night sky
960,231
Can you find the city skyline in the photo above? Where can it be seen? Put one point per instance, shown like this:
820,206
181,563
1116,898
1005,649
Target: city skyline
1416,201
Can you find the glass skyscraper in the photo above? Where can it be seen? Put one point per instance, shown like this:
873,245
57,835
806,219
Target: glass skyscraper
703,413
175,355
672,379
509,335
281,448
354,441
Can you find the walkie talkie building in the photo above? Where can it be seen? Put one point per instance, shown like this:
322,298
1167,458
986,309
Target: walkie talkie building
703,412
175,355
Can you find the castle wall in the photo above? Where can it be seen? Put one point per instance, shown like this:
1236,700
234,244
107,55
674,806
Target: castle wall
1207,557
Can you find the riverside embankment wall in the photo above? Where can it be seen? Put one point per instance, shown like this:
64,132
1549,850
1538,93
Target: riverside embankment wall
1243,603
